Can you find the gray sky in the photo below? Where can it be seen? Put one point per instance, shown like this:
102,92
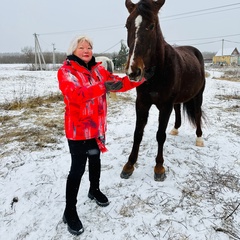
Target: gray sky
58,21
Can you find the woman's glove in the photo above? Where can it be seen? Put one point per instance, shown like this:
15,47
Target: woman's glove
113,86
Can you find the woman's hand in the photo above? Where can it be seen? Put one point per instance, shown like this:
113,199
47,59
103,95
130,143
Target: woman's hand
113,86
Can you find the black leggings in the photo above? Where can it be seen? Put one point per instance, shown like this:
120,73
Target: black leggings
81,150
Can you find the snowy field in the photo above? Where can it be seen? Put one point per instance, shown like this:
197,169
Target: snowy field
199,200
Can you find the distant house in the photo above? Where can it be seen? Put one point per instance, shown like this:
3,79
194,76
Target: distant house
227,56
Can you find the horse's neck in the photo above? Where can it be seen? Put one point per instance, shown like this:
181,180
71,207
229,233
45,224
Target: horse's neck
160,48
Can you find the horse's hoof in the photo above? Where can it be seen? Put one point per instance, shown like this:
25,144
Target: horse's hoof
174,132
160,177
199,142
125,175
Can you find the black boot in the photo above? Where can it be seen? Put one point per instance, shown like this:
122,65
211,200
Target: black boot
94,178
98,196
70,215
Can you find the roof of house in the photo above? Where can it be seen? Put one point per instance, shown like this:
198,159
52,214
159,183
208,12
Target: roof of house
226,51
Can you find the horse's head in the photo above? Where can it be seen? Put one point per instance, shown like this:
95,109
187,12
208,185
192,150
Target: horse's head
143,28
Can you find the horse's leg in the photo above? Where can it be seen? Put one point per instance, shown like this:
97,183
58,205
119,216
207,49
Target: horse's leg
178,121
198,119
164,115
142,111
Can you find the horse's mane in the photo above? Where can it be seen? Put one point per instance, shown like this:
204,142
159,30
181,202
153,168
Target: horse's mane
146,8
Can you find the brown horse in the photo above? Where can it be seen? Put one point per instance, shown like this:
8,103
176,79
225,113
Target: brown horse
174,76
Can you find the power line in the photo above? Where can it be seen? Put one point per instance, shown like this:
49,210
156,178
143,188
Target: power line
174,17
232,41
203,43
199,14
112,46
202,10
193,39
167,18
85,30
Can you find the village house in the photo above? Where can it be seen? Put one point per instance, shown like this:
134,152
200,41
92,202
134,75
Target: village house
227,56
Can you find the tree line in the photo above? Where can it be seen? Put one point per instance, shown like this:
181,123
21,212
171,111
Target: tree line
27,55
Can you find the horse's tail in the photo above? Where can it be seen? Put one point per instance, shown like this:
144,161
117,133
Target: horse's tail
189,108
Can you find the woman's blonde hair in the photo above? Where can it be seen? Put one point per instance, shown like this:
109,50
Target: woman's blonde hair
73,45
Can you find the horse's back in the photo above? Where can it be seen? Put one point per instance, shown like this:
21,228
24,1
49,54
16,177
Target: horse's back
190,53
188,65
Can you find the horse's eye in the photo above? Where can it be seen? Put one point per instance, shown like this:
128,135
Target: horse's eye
150,27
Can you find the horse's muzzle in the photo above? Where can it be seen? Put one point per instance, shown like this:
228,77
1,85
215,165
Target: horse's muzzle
136,75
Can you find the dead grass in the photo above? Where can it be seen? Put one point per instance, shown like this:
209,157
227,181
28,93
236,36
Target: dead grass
228,97
232,109
31,103
209,185
32,124
230,75
207,74
232,79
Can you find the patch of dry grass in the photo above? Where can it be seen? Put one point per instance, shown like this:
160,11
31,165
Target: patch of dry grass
228,97
233,109
31,103
207,74
32,124
210,184
230,75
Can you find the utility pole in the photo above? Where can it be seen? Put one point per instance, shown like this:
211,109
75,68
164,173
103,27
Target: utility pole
222,51
222,46
54,59
38,54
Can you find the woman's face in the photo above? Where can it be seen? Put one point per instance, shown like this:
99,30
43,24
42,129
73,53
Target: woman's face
84,51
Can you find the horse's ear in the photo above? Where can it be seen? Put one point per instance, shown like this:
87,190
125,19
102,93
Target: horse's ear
129,5
159,3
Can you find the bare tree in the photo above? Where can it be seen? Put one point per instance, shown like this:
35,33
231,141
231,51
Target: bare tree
28,54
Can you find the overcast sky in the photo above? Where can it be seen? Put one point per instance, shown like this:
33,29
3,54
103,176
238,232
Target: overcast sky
58,21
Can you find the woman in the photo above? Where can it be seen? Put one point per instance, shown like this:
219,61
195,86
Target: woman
84,84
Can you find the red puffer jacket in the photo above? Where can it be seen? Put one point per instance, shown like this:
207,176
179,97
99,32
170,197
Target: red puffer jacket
85,98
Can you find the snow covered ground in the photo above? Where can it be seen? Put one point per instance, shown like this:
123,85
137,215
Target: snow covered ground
199,200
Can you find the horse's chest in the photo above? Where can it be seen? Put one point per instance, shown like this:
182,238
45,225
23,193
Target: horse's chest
159,93
154,96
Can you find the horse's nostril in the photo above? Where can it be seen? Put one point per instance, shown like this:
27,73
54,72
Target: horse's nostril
138,72
135,74
132,76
